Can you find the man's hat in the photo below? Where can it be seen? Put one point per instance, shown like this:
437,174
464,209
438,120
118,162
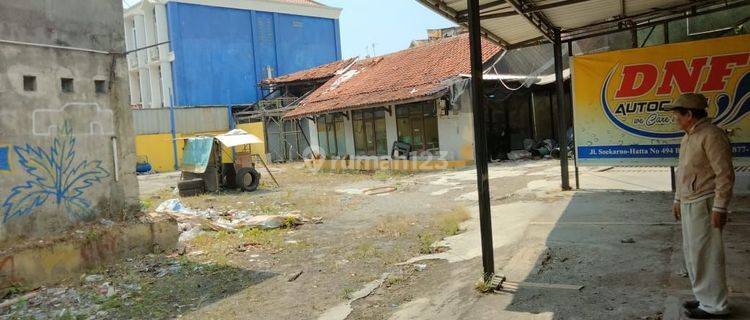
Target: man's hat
694,101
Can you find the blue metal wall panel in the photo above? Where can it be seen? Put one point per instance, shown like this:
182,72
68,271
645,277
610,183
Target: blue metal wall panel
221,54
304,42
265,44
214,54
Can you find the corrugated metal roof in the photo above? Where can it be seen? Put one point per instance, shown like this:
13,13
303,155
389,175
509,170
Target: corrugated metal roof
503,23
322,72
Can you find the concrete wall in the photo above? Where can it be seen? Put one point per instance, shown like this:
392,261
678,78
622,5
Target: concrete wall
57,161
456,131
157,148
74,23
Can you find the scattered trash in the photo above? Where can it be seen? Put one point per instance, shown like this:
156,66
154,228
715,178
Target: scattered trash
420,266
192,222
196,253
107,290
107,222
12,301
628,240
93,278
378,190
316,220
176,206
188,232
294,276
519,154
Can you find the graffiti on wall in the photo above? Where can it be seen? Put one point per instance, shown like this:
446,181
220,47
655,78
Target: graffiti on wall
4,158
54,175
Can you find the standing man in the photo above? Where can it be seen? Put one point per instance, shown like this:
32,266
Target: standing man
705,177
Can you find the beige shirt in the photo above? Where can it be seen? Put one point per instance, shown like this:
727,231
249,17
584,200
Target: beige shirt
705,168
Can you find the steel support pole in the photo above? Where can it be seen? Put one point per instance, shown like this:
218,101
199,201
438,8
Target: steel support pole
173,131
561,112
575,154
480,140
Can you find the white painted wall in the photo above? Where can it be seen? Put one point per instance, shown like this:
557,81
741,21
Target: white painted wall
456,131
312,133
150,69
349,134
391,128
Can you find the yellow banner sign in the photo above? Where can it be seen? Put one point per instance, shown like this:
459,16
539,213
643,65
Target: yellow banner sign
619,98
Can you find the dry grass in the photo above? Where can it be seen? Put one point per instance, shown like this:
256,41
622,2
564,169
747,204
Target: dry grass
217,245
449,223
423,234
395,226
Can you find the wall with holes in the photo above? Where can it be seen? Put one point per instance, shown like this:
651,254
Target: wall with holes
66,133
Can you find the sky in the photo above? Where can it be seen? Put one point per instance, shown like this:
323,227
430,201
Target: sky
389,25
383,25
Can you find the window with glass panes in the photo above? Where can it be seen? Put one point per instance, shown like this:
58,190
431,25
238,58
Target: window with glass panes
331,134
417,125
369,132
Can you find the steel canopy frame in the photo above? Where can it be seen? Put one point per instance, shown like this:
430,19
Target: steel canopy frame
550,33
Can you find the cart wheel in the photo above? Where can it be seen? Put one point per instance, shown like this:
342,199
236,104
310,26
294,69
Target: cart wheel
248,179
229,176
192,187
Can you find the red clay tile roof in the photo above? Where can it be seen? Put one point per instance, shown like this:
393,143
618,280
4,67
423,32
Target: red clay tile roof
322,72
400,76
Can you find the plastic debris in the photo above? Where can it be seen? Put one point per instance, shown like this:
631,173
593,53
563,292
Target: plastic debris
519,154
93,278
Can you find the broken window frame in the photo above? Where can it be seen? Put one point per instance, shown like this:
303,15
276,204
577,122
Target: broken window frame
422,114
330,128
369,128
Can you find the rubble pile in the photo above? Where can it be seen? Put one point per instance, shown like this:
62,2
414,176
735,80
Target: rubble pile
192,221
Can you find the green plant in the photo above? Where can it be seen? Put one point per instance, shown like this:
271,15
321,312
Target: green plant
483,286
289,222
346,293
145,204
425,242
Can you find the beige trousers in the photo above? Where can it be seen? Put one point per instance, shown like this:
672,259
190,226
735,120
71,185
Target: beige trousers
704,256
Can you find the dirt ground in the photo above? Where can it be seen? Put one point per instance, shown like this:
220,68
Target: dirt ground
412,253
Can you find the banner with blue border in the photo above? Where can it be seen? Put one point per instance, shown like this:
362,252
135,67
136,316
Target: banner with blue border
646,151
619,99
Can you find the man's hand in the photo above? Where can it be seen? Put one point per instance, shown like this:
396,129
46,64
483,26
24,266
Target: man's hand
676,211
718,219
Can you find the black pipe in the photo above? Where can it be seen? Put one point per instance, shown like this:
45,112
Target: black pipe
480,139
561,112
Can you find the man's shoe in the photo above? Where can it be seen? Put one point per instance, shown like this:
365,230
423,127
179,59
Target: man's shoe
691,304
698,313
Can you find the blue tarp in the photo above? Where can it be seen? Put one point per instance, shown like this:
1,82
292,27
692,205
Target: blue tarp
196,154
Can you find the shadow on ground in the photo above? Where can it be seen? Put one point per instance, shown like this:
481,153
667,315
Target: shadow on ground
623,248
183,287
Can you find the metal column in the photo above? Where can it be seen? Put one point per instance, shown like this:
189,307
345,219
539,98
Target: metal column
480,139
562,112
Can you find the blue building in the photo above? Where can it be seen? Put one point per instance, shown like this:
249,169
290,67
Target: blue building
214,52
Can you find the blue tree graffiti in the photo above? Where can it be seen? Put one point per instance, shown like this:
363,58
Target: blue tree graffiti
54,174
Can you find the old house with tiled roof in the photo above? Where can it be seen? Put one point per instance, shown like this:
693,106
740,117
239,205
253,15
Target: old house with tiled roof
415,96
284,138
